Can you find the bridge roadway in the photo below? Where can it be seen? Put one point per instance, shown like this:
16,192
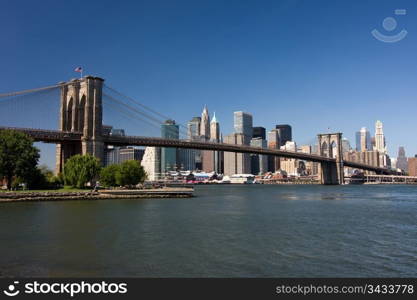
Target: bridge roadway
56,136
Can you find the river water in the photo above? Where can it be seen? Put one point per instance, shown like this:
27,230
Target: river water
225,231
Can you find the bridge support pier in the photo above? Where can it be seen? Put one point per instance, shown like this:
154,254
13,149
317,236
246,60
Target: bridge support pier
331,173
81,111
330,145
65,151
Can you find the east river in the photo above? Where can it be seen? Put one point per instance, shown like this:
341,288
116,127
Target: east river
225,231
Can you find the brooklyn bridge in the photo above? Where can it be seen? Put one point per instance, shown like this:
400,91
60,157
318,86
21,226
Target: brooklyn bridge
81,131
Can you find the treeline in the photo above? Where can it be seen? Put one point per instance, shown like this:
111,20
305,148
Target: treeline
19,167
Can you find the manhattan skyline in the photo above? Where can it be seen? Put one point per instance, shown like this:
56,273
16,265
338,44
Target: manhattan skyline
290,62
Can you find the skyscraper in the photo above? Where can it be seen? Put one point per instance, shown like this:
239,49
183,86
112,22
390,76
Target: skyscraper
379,138
214,129
193,127
284,133
402,159
259,163
259,132
345,145
206,155
243,124
358,140
169,130
205,124
215,137
380,144
365,140
236,163
273,143
190,158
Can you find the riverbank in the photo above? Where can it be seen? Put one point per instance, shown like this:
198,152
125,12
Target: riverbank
96,195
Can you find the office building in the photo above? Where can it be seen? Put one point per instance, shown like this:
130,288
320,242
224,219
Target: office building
364,157
363,140
205,124
346,145
259,132
412,166
243,124
169,130
216,161
273,143
193,127
111,155
290,165
402,159
380,145
130,153
311,168
284,133
151,163
259,163
239,163
236,163
192,157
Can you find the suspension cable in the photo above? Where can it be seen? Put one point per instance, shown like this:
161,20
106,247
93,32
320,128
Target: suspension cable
158,121
140,104
129,114
11,94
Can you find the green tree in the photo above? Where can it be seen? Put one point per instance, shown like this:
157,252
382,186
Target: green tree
130,173
18,156
80,169
38,180
108,175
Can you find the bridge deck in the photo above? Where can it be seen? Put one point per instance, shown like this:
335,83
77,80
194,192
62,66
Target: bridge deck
56,136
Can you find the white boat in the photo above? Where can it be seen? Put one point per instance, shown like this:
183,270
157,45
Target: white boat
242,178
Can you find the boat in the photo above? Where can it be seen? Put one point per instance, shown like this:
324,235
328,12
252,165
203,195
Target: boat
242,178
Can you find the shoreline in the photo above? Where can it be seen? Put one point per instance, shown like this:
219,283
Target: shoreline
7,197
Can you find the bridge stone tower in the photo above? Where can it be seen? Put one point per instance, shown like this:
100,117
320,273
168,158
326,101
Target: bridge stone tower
81,111
330,145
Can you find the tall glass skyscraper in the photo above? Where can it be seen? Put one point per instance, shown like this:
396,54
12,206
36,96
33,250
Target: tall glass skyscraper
169,130
284,133
259,132
243,125
363,140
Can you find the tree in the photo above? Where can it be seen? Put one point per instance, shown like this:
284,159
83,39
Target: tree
130,173
18,156
108,175
80,169
43,178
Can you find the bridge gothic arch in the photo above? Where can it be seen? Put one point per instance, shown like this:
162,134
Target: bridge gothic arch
330,145
81,112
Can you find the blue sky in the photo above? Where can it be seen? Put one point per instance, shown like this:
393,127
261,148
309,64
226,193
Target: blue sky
311,64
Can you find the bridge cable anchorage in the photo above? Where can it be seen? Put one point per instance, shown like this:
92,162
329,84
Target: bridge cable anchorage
142,105
11,94
131,109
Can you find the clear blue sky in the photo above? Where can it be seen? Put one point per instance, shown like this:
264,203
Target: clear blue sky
311,64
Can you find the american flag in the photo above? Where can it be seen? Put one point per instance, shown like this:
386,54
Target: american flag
78,69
